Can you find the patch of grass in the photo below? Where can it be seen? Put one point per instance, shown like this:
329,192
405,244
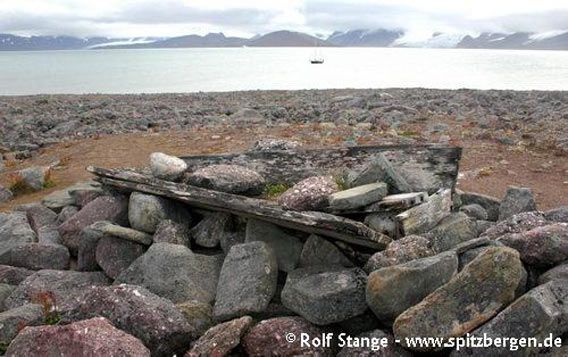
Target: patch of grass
409,133
274,190
3,347
341,183
49,307
18,186
49,183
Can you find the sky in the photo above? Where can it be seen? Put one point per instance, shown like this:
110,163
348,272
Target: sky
246,18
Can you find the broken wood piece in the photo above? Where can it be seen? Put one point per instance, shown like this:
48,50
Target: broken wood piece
324,224
391,203
424,167
425,217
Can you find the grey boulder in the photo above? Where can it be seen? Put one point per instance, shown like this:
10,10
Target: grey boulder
174,272
323,296
169,231
559,214
37,256
451,231
167,167
309,194
228,178
517,200
400,251
247,281
14,230
145,212
490,204
12,321
114,254
516,224
320,251
207,233
358,197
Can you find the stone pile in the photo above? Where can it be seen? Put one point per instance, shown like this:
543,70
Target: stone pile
100,271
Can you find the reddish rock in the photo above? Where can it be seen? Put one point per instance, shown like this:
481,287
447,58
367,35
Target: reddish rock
154,320
13,275
310,194
37,256
543,246
105,208
219,340
94,337
269,338
114,254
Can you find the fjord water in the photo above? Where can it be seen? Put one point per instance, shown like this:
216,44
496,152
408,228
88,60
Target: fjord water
229,69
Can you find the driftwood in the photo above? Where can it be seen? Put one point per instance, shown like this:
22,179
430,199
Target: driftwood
423,218
425,168
324,224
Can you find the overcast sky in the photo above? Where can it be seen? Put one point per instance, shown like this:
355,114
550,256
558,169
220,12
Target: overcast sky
129,18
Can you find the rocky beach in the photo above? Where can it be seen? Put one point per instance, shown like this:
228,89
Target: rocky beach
227,224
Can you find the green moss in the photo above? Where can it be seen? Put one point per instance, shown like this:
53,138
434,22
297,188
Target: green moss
3,347
49,184
340,181
52,318
273,190
20,187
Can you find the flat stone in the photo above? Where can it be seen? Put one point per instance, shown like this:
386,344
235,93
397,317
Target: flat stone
198,314
59,199
13,320
358,196
392,290
63,284
128,234
543,246
559,214
324,297
384,223
14,231
490,204
154,320
49,235
453,230
469,299
379,169
537,314
320,251
87,252
94,337
392,349
174,272
309,194
169,231
286,247
166,167
145,212
517,200
400,251
38,215
221,339
516,224
270,335
247,282
66,213
483,226
83,196
13,275
114,254
228,178
37,256
207,233
105,208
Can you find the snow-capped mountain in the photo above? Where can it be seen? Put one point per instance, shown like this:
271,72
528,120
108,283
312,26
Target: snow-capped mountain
365,38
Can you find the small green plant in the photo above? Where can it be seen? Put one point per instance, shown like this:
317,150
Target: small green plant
273,190
49,307
49,183
3,347
341,183
409,133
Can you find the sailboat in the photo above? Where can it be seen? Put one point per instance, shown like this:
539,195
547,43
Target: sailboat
317,58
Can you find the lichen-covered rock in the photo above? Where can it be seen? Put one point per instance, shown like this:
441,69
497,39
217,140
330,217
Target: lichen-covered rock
49,235
145,212
490,204
5,194
228,178
543,246
104,208
392,290
5,291
451,231
559,214
14,230
516,224
63,284
310,194
475,211
324,297
13,275
212,227
286,247
154,320
559,272
114,254
66,213
36,256
83,196
219,340
60,199
94,337
517,200
167,167
469,299
320,251
537,314
87,252
169,231
34,177
198,314
274,145
399,252
13,320
38,215
174,272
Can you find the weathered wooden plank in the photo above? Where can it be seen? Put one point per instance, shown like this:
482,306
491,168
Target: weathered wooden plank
425,168
328,225
391,203
423,218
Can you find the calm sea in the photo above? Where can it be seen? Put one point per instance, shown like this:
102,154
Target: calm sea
192,70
